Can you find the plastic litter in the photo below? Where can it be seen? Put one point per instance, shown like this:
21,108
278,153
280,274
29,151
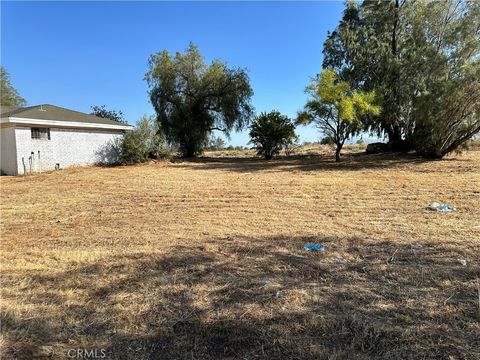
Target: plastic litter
314,247
417,246
340,261
436,206
462,261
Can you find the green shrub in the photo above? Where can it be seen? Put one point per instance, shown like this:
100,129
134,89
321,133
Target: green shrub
327,140
216,143
272,132
144,142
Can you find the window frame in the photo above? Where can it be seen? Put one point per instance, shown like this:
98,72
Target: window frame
40,133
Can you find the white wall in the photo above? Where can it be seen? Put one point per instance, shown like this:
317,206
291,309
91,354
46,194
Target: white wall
8,160
67,147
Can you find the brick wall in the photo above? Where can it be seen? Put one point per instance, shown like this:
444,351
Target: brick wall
66,147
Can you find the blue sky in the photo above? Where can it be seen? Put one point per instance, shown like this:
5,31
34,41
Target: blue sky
78,54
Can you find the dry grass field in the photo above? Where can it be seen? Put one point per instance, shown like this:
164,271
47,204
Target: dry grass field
204,259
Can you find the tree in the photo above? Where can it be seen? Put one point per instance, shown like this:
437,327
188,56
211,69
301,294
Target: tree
271,132
192,99
447,108
366,50
336,109
406,51
102,112
9,95
448,116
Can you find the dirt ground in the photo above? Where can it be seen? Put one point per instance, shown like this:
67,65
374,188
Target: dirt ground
204,259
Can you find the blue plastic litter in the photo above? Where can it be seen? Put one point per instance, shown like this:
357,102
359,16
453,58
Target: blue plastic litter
314,247
435,206
445,207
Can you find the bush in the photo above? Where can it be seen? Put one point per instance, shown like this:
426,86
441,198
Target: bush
216,143
272,132
144,142
327,140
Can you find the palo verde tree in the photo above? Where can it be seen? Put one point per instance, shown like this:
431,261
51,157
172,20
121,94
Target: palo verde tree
9,95
192,99
336,109
271,132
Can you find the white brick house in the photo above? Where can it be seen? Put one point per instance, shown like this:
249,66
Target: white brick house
46,137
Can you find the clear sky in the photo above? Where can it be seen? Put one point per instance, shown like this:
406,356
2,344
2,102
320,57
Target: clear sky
79,54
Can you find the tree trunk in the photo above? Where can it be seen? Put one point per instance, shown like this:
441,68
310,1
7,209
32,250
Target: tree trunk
189,152
395,141
395,134
268,154
338,149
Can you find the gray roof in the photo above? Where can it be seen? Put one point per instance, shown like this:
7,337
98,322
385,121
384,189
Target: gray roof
55,113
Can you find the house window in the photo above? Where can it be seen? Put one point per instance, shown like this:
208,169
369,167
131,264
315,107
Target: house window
41,133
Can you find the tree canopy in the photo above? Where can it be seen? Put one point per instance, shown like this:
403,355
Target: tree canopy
9,95
192,99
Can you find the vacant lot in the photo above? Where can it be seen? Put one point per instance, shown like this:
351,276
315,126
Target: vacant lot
205,260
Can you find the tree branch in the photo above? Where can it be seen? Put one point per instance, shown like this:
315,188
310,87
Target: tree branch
217,128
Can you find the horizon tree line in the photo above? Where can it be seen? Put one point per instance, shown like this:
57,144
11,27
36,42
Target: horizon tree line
406,71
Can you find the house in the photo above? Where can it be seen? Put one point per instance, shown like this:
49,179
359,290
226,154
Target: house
46,137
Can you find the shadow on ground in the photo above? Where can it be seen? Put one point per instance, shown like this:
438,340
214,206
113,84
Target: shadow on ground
353,161
257,298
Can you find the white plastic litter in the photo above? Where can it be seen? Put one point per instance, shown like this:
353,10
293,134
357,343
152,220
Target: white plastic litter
436,206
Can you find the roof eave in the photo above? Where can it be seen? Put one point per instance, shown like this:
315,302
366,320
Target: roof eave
65,123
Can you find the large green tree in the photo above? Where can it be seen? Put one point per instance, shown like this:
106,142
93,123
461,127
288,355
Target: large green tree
9,95
446,107
192,99
407,51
